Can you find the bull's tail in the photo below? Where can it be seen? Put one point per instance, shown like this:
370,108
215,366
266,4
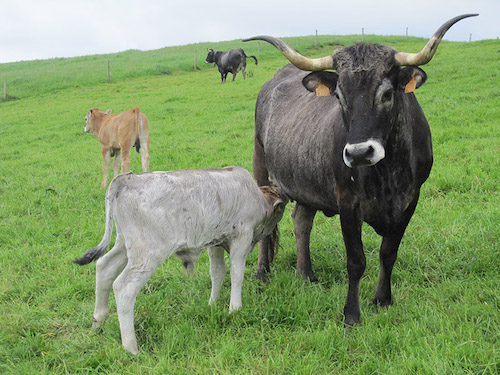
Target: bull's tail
98,251
253,57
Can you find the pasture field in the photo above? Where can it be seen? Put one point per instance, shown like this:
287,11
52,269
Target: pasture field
445,319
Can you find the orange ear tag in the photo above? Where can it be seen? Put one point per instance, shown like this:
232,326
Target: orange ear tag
411,86
322,90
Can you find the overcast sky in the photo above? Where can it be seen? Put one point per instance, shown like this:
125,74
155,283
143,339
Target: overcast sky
40,29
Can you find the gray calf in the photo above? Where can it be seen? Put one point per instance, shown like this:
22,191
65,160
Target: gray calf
163,213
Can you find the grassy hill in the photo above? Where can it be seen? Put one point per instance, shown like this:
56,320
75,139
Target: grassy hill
446,313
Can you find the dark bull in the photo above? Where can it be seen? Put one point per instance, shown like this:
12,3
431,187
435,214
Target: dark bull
229,62
362,151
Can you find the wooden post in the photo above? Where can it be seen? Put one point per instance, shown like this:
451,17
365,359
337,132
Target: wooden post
109,71
406,33
195,59
363,34
470,38
5,89
316,39
258,44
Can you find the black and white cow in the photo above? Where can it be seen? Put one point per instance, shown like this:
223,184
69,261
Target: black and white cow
361,149
164,213
229,62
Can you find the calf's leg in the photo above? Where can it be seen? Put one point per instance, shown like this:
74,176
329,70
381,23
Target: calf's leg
144,154
240,249
126,159
126,288
107,269
106,156
217,271
117,162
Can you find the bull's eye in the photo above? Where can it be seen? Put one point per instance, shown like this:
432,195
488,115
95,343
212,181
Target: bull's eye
340,97
387,96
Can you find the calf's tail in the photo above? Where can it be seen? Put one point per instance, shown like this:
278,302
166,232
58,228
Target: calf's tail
98,251
140,126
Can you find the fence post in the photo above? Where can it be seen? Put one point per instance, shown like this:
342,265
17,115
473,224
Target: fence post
316,39
195,58
4,89
407,33
258,44
363,34
109,71
470,38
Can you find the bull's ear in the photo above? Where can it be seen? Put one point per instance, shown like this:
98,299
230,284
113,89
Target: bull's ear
411,78
316,80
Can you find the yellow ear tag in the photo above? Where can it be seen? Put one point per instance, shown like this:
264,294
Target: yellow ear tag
322,90
411,86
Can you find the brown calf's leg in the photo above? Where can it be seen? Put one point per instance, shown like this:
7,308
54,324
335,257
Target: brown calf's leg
106,156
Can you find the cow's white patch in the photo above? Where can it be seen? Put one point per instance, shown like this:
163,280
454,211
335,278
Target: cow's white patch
363,154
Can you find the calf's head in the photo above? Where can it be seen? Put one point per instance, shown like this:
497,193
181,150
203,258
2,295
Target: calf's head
369,81
275,207
93,119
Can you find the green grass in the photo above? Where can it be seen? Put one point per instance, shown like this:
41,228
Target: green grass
445,319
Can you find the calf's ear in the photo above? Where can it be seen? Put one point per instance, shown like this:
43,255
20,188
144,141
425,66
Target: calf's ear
411,78
278,205
319,82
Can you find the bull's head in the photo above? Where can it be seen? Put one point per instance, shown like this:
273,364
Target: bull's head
210,57
369,82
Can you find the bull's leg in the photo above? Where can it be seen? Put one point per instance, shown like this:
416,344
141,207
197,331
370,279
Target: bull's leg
261,175
107,269
303,218
126,159
356,263
388,255
234,76
240,249
244,71
106,156
126,288
217,271
117,162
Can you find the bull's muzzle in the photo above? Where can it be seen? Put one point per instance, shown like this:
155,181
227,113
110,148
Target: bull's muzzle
363,154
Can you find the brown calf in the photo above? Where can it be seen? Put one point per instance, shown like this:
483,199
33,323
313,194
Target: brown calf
118,134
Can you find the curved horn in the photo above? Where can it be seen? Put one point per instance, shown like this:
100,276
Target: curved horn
294,57
424,56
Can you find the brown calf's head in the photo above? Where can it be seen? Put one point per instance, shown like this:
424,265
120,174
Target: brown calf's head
92,119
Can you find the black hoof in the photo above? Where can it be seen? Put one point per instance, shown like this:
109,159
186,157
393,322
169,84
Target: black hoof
263,274
351,321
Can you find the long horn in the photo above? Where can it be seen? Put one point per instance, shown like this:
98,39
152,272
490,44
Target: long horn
294,57
424,56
